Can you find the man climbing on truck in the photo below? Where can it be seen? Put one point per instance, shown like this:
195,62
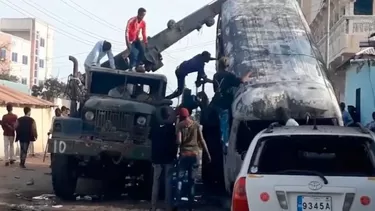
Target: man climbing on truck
223,84
100,49
134,45
195,64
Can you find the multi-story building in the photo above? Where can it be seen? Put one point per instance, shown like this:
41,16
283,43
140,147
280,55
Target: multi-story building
32,45
351,21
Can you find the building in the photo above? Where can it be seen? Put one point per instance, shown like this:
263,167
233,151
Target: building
351,21
360,83
31,48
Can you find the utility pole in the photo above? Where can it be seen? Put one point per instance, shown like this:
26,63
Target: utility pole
328,31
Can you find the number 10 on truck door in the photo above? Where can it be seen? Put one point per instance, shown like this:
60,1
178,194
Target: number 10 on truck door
59,146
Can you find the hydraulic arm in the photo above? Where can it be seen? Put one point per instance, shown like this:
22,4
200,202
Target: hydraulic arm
173,33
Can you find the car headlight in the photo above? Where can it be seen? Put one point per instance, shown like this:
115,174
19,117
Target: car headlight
141,120
89,115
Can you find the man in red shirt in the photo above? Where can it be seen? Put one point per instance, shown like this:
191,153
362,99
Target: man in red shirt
135,47
8,123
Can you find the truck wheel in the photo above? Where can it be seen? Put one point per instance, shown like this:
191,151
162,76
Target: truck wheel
114,188
64,176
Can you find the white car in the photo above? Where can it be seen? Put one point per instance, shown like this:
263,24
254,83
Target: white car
303,168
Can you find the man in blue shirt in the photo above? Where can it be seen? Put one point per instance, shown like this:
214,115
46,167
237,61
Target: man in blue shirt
195,64
346,118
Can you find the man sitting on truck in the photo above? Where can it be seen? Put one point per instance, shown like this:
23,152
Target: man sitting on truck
100,49
119,92
195,64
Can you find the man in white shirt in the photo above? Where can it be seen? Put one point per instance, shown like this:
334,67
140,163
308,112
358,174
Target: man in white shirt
100,49
282,115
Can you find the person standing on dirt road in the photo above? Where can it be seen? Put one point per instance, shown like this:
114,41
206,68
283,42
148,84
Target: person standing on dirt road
134,45
190,140
164,154
8,123
26,133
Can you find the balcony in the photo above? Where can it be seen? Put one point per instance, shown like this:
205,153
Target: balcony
345,36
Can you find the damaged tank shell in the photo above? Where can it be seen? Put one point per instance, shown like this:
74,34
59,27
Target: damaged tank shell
272,39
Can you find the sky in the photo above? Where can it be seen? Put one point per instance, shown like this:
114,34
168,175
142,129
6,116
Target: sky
80,24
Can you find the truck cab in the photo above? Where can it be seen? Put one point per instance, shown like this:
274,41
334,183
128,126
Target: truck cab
108,136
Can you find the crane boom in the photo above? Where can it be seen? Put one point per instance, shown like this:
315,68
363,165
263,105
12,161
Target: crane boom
169,36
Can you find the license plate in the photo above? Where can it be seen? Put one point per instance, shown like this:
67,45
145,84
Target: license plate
314,203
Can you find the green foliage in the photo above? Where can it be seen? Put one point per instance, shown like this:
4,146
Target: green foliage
8,77
51,88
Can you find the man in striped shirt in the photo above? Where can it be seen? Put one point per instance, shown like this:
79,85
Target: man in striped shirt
133,27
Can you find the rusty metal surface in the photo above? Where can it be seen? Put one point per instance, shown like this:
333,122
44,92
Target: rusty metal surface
8,95
272,39
127,148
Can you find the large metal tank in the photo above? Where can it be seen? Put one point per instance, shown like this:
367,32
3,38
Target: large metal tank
272,39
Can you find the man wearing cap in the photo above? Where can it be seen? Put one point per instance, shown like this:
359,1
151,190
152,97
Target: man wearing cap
195,64
190,140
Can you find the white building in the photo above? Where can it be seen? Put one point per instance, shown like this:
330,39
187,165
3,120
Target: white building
39,51
20,58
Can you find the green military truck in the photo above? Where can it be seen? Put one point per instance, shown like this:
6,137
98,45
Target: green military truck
107,136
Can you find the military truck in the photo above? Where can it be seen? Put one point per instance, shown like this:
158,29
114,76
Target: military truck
107,137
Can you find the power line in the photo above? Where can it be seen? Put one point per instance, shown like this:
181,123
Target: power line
25,13
91,15
64,22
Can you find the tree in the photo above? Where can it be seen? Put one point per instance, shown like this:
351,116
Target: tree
51,88
5,64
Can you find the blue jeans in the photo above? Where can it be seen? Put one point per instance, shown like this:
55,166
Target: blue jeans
187,164
224,126
136,55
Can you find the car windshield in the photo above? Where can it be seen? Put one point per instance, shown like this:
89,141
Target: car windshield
124,86
328,155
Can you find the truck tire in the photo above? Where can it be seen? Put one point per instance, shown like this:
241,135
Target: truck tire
64,176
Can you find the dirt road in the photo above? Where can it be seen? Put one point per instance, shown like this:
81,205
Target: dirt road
30,189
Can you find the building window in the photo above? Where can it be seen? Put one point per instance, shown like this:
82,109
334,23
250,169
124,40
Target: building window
3,53
36,52
35,81
24,59
36,67
36,74
14,57
24,81
36,59
41,63
363,7
42,42
37,35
